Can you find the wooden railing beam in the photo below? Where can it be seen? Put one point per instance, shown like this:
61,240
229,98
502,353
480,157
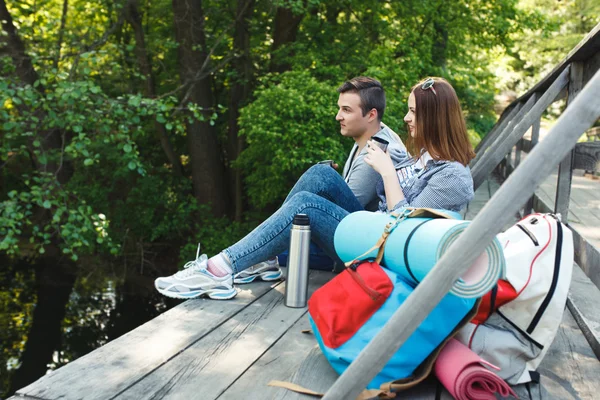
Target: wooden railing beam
498,127
490,159
498,212
491,138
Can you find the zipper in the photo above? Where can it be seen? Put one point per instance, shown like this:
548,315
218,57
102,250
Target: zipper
530,234
550,294
493,300
373,294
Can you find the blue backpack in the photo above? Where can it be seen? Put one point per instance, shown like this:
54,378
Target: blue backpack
351,309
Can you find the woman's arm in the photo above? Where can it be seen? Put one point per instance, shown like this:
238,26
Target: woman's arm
382,163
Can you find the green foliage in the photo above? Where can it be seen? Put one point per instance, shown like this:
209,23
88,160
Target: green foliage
100,133
552,30
82,160
213,234
17,301
72,220
289,127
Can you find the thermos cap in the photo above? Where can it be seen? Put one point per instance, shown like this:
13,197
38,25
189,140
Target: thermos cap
301,219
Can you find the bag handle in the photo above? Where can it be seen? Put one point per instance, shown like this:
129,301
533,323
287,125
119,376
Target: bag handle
408,212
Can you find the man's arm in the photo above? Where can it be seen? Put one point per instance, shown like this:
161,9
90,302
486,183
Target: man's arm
362,180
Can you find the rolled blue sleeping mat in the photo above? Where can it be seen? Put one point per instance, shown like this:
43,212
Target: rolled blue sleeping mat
415,245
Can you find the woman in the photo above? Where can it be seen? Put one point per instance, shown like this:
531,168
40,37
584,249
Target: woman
438,178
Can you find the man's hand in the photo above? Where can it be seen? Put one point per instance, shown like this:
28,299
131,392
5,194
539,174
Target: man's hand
379,161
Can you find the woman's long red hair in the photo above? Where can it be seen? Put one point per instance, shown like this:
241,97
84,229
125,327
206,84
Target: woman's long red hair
440,125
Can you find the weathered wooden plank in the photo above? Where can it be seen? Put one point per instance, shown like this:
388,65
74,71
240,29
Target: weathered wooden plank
512,120
570,369
281,362
114,367
208,367
583,301
587,255
518,151
592,65
497,130
313,373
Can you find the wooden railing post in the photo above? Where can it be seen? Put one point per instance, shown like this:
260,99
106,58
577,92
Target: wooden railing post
535,138
518,153
565,168
471,243
535,128
490,159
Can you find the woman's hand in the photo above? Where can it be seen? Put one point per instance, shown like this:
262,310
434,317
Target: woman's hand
380,161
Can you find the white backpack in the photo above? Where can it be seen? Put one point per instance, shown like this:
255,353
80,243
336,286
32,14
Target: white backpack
539,262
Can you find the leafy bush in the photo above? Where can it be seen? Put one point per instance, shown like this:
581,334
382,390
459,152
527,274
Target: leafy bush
289,127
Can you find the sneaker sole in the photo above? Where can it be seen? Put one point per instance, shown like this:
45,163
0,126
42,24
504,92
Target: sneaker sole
265,276
213,294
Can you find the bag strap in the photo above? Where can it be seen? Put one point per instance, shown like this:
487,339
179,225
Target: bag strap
408,212
389,227
364,395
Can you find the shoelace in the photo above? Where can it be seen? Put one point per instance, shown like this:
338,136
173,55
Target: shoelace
193,266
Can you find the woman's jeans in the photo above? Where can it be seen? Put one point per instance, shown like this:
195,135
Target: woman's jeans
320,193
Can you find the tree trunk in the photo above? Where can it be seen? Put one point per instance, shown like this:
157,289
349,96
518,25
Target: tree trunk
135,20
61,32
286,29
207,167
438,50
54,284
53,139
240,91
16,48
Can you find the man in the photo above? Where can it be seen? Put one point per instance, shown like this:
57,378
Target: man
361,107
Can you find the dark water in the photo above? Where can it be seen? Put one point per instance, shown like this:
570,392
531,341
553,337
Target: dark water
53,312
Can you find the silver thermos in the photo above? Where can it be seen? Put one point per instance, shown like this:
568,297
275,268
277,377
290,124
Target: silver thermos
296,287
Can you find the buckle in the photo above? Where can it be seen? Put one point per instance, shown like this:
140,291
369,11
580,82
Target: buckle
398,217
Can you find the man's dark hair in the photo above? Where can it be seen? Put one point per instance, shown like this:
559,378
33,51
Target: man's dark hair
370,91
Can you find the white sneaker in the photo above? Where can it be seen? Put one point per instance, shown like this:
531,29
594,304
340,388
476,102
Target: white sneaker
195,281
267,271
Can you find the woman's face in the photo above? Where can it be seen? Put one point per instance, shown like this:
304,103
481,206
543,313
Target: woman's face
409,118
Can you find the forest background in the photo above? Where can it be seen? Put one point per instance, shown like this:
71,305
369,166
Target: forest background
131,130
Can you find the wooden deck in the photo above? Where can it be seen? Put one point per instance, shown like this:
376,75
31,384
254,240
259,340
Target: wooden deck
204,349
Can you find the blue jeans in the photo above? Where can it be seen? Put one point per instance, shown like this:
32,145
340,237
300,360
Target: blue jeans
323,195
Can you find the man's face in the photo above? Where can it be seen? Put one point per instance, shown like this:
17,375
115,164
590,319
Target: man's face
352,122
